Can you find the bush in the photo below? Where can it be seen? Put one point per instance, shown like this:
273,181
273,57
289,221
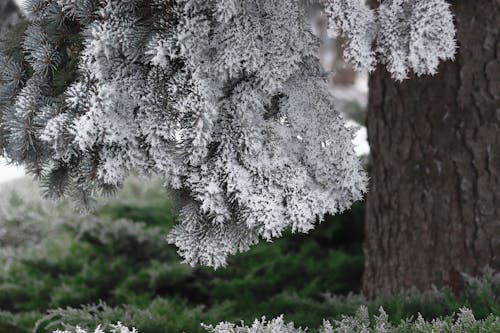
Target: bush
117,257
176,315
162,315
361,322
25,218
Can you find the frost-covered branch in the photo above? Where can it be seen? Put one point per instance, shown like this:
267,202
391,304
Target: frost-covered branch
405,35
225,99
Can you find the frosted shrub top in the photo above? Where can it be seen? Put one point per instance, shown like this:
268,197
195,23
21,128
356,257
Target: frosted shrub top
224,98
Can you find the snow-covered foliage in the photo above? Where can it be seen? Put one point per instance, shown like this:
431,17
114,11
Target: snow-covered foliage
225,99
118,328
359,323
405,35
259,326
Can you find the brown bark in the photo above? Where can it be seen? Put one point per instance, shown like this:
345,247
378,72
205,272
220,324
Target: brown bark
434,204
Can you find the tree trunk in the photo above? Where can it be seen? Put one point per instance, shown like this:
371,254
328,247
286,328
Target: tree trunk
434,203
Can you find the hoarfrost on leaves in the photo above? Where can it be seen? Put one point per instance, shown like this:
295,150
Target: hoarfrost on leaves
359,323
405,35
118,328
357,23
277,325
226,99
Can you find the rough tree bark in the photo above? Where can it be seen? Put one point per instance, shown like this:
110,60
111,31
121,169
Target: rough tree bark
434,203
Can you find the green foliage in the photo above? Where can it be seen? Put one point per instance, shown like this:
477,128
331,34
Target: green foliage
117,258
25,218
139,201
158,318
98,259
162,315
305,265
430,305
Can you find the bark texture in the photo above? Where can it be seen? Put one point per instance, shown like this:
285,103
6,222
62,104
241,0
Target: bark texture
434,203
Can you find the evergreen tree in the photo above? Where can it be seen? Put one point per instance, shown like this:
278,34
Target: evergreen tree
224,98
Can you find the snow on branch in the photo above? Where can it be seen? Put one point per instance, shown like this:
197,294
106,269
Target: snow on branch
225,99
405,35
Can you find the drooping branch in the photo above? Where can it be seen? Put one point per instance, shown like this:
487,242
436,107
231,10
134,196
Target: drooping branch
225,99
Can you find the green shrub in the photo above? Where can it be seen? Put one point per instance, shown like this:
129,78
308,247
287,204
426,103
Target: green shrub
362,322
161,315
25,218
462,322
102,256
118,256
